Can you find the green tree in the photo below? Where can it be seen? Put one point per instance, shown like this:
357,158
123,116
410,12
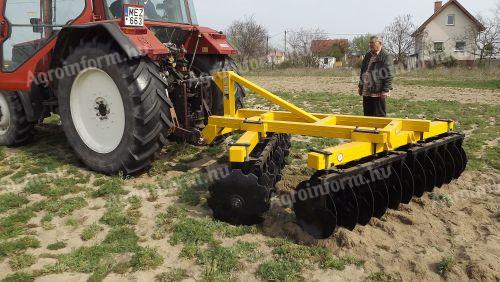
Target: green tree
361,44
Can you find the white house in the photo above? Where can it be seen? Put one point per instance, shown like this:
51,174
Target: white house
325,50
275,57
448,32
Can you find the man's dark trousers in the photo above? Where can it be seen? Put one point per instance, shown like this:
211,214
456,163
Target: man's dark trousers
374,107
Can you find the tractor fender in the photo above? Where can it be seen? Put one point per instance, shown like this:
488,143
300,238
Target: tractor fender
71,36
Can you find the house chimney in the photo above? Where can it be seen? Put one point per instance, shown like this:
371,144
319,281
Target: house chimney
437,6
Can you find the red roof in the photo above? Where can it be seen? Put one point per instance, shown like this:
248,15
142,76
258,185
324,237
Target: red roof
323,47
462,8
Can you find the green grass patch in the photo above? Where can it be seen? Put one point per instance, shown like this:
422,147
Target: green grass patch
57,246
341,262
189,251
492,157
280,270
15,224
112,186
474,84
5,172
19,176
17,245
220,262
199,231
91,231
20,261
146,258
135,202
304,255
72,222
116,215
445,265
55,187
64,207
380,277
174,275
441,198
100,259
11,201
19,277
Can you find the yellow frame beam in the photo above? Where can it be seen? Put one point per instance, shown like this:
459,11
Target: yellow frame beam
368,135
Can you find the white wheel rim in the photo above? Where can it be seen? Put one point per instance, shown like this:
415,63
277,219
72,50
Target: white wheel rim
4,115
97,110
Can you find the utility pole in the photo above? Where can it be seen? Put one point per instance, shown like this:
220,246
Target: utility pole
285,44
267,45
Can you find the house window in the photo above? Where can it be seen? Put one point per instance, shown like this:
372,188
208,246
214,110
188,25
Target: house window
326,61
460,46
451,20
438,47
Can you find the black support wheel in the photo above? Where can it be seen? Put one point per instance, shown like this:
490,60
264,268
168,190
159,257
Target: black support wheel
15,129
116,115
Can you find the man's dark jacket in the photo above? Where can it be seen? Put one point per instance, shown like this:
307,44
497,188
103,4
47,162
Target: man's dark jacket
381,72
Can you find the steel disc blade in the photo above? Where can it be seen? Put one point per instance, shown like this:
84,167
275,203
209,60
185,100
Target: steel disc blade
440,169
347,207
381,196
394,188
407,183
450,166
457,159
430,174
364,195
419,178
279,157
273,172
315,215
239,198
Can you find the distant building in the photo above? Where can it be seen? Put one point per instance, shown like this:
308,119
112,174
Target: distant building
448,32
275,57
325,51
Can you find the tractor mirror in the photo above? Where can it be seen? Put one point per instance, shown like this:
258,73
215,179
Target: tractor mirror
37,25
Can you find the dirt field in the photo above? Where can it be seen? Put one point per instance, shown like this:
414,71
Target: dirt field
60,222
348,86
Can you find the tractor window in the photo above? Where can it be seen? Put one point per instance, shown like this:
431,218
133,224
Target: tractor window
176,11
32,24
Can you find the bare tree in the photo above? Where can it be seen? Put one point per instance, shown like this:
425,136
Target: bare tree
248,37
300,43
397,37
485,43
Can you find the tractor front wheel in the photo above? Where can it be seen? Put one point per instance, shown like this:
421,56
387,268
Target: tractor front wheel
14,127
116,115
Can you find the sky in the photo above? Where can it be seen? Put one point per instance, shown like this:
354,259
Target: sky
339,18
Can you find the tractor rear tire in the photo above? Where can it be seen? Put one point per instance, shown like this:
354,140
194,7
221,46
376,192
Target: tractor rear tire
210,64
116,115
15,129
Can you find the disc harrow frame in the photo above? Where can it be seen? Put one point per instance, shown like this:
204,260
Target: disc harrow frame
387,161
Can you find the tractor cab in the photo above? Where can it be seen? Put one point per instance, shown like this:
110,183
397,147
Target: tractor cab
29,25
173,11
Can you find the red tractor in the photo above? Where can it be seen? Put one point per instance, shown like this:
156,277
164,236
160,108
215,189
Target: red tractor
125,76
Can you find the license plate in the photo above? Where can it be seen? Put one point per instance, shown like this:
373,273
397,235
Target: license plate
133,15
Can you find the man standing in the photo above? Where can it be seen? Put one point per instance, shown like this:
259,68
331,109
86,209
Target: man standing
376,77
